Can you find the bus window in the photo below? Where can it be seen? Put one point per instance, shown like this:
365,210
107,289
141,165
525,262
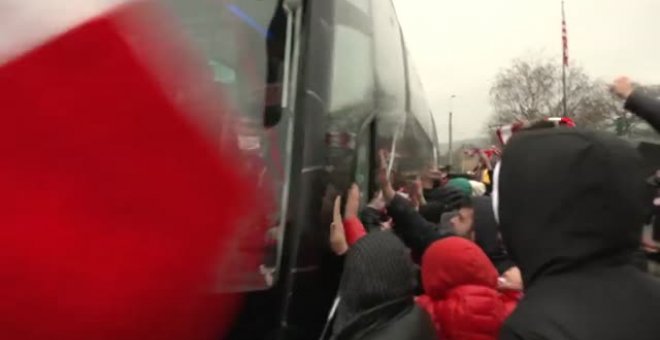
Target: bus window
391,82
352,72
243,43
363,167
351,92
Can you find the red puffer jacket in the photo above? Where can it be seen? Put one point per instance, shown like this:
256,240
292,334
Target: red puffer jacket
461,291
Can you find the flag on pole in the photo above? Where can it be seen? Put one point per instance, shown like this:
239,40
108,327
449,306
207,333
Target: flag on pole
564,34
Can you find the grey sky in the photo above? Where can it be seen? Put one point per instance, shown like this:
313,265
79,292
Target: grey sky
459,46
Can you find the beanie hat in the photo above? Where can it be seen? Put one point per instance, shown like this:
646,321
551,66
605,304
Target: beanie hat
461,184
377,270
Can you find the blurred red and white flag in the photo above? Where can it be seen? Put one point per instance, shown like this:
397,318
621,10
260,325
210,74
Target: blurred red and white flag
504,133
117,197
562,121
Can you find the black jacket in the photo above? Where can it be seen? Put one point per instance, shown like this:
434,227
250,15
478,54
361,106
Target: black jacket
486,233
645,107
418,233
377,293
415,231
571,207
371,219
399,320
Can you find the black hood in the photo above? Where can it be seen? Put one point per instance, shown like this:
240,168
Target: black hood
378,271
570,198
486,233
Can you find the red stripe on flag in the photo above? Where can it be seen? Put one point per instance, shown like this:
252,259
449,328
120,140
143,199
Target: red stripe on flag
564,35
115,207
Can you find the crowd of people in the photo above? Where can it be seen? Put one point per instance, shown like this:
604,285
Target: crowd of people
544,244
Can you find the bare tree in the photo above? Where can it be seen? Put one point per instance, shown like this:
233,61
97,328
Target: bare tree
531,89
524,91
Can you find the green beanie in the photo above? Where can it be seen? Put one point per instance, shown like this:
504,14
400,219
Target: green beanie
461,184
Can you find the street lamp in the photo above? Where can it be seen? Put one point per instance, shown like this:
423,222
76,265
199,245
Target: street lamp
451,129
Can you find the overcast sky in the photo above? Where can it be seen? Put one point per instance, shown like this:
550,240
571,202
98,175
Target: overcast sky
459,46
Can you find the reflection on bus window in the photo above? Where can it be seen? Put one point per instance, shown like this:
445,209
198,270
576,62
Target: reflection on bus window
363,166
243,45
352,72
362,5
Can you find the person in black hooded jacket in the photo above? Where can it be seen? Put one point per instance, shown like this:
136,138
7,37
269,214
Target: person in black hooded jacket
377,293
571,205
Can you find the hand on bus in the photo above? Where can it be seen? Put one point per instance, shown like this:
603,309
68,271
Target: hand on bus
649,246
378,202
417,192
429,175
383,179
622,87
338,242
352,202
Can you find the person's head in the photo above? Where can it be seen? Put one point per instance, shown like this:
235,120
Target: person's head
462,222
377,270
567,197
462,184
453,262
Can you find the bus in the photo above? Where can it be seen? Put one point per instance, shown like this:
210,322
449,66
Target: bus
318,86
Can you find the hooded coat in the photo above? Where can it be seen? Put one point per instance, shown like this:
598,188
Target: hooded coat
377,293
571,208
461,291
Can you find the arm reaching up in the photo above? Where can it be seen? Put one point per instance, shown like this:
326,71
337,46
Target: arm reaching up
640,104
415,231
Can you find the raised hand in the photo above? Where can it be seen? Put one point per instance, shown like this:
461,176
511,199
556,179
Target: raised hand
352,202
622,87
383,178
338,242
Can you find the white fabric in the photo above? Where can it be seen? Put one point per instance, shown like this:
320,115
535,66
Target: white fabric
478,188
27,24
504,133
496,191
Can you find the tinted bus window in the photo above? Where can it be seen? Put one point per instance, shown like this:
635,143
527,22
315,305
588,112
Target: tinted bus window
391,80
243,43
418,105
350,99
352,70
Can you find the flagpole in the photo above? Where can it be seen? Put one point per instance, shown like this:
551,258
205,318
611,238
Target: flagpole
564,57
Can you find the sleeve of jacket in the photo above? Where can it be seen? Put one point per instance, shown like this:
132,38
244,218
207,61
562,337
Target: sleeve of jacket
432,211
645,107
417,233
370,218
501,261
486,238
507,333
353,230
